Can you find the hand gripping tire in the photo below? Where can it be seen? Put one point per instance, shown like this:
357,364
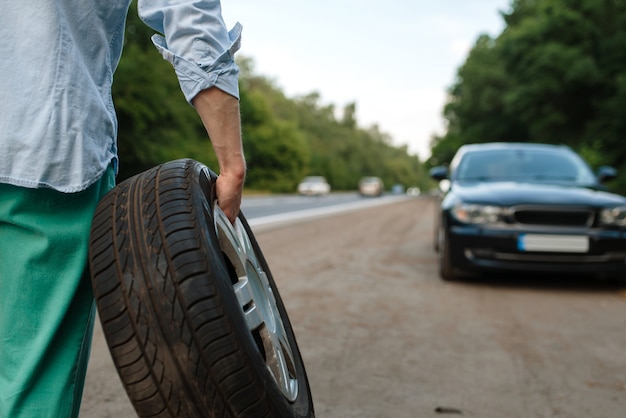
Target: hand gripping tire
190,311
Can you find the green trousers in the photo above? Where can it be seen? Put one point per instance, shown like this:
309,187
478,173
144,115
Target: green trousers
46,302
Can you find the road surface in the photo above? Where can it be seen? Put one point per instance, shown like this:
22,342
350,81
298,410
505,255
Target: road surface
383,337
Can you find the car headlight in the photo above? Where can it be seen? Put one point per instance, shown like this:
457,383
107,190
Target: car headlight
477,214
613,216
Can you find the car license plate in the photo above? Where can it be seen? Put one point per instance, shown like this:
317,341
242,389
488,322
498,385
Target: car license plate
553,243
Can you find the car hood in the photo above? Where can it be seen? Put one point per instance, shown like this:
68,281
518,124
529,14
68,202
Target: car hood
512,193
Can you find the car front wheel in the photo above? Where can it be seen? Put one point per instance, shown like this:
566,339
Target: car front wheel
447,271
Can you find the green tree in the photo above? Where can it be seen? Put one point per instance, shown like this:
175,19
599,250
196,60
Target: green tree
476,111
554,71
276,149
284,138
556,74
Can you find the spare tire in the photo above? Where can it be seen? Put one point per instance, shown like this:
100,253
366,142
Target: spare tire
188,305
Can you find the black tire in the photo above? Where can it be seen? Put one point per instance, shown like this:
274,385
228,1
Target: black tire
446,270
436,238
189,308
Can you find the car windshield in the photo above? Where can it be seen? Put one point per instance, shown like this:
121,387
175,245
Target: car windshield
536,165
314,179
370,180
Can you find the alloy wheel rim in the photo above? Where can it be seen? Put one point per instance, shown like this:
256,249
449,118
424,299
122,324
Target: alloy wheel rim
257,303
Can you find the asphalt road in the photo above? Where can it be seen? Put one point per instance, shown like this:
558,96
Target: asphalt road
382,336
260,206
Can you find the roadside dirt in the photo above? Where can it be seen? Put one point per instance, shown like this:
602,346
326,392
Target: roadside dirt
382,336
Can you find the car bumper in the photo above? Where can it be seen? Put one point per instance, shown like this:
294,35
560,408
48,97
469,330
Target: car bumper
312,192
481,249
370,192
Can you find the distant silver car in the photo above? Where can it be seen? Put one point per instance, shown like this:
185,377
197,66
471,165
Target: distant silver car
371,186
413,191
314,186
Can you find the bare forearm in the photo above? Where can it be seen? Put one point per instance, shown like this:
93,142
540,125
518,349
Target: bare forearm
219,112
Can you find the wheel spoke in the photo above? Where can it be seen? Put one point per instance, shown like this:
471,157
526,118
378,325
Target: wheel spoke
230,241
281,364
253,315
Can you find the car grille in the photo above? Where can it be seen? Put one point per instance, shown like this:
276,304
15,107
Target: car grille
553,216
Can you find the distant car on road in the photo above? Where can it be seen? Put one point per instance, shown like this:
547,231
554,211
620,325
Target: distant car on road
371,186
528,208
397,189
314,186
413,191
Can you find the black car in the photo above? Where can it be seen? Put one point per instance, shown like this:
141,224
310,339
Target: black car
522,207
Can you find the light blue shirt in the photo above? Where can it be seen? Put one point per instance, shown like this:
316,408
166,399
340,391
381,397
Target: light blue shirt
58,128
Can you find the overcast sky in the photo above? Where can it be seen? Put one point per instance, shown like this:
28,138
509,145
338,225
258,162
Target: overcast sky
395,59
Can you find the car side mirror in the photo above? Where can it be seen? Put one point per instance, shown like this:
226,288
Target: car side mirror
606,173
439,173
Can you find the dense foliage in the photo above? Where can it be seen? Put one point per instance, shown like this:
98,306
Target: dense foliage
556,74
284,138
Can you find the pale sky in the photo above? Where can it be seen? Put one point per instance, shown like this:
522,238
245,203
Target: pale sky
395,59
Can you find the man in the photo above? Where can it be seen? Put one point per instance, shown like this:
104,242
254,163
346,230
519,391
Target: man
58,157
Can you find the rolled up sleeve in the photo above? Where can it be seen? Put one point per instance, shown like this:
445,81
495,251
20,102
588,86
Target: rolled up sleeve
195,40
